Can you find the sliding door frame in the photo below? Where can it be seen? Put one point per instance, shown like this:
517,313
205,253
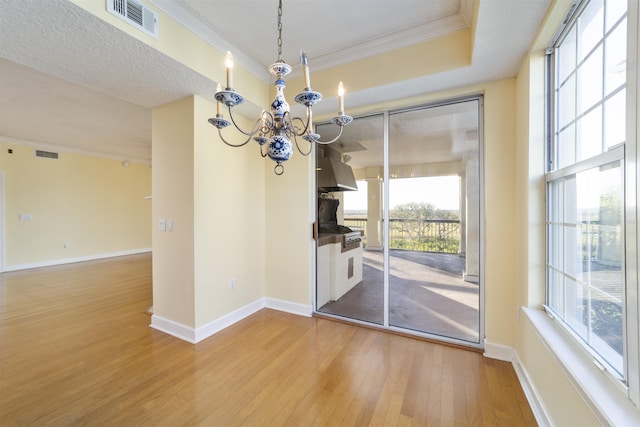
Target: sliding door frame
385,191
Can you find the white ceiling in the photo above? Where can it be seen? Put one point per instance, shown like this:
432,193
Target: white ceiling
331,32
440,133
70,80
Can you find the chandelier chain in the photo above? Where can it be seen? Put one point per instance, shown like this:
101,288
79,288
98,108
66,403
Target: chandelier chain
280,31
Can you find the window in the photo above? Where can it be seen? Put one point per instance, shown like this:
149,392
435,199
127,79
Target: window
587,260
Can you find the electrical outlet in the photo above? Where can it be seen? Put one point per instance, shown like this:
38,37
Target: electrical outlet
232,284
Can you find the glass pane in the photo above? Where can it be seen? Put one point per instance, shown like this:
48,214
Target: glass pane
590,134
556,240
590,81
590,27
567,101
616,58
576,307
567,146
606,277
556,291
615,119
569,201
615,10
573,251
607,327
350,276
567,56
434,221
555,195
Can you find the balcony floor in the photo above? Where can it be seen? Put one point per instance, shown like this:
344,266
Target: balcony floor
426,294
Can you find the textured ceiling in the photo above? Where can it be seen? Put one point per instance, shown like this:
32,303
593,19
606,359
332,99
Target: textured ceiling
70,79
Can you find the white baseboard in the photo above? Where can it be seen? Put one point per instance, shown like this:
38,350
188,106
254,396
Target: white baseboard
530,393
471,278
289,307
194,336
50,263
178,330
499,352
227,320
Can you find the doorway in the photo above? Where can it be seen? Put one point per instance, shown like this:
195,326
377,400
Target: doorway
415,203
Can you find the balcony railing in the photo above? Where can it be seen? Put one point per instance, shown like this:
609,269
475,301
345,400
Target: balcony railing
427,235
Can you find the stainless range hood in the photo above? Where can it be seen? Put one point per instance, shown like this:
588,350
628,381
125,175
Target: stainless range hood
333,174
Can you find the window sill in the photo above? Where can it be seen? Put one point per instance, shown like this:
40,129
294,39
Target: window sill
606,400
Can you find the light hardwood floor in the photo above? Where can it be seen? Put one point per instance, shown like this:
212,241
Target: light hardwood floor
76,349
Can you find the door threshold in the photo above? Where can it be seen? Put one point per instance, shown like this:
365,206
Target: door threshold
477,348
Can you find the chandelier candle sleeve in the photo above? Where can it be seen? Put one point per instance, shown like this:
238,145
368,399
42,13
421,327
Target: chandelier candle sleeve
340,98
229,65
305,68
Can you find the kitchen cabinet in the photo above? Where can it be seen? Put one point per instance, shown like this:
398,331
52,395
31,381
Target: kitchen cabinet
338,271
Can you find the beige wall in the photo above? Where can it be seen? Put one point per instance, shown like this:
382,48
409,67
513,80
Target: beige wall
500,213
563,405
95,204
173,199
289,216
562,402
215,196
229,213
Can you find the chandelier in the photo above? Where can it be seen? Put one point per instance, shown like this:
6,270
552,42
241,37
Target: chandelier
275,127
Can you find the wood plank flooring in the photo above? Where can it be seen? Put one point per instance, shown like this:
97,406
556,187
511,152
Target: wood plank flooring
76,349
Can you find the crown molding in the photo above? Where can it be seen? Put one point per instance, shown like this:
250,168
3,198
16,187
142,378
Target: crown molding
397,40
196,25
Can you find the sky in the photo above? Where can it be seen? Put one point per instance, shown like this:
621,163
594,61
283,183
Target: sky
441,191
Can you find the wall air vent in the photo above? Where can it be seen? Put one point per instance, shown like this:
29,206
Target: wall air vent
46,154
135,14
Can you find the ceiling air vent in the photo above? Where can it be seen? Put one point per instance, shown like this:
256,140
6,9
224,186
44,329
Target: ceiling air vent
46,154
135,14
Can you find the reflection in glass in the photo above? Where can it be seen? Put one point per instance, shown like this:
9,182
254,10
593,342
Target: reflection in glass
434,221
588,289
431,282
350,280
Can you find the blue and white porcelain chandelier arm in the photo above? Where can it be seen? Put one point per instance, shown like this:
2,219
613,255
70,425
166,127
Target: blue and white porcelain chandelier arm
275,126
262,152
303,128
257,128
329,142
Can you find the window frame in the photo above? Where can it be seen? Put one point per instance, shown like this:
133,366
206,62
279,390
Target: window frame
627,153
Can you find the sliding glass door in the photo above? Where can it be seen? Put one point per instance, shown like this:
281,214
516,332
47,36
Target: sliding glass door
416,204
356,293
434,221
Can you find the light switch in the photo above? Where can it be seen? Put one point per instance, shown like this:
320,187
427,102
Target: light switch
162,225
24,217
169,225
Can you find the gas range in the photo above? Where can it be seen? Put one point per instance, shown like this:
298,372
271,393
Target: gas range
350,239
